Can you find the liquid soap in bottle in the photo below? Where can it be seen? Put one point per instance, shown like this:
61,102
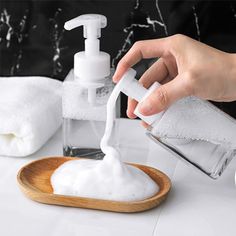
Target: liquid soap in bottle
86,91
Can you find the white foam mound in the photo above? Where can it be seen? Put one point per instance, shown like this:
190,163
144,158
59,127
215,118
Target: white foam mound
103,180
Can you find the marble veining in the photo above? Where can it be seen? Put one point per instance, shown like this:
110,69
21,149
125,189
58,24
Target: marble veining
124,48
129,30
5,20
20,36
57,36
19,32
233,10
160,15
154,22
196,23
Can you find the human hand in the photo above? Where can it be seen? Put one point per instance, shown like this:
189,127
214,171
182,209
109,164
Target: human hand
185,67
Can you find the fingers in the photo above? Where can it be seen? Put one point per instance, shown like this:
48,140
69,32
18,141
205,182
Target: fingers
165,95
141,49
131,107
157,72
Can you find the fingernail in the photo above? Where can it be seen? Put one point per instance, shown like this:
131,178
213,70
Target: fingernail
114,78
114,75
130,114
145,107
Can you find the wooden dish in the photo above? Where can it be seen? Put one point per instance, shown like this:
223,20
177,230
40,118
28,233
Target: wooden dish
34,181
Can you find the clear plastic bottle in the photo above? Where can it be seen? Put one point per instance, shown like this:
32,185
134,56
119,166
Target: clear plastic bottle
84,123
86,91
210,154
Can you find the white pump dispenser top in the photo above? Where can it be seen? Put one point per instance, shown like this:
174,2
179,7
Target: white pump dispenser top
90,66
132,88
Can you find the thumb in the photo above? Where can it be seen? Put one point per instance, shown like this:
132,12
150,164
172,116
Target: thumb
161,98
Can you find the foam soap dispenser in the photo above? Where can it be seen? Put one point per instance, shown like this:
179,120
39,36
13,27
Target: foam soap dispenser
86,91
186,128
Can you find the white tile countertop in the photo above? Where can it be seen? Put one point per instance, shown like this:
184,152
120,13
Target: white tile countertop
196,204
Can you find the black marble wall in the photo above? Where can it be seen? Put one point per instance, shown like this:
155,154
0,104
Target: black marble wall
33,41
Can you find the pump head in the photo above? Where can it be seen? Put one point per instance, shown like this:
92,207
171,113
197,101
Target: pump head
92,24
91,66
132,88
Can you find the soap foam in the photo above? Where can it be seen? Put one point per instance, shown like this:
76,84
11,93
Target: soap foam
75,102
108,179
102,180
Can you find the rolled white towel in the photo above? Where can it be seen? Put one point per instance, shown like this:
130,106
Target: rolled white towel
30,113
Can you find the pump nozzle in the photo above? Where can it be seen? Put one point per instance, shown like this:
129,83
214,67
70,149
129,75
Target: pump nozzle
132,88
92,24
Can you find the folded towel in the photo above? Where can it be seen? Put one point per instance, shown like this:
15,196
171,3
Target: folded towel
194,119
30,113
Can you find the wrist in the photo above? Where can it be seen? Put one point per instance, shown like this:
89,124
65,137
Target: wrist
232,77
233,55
